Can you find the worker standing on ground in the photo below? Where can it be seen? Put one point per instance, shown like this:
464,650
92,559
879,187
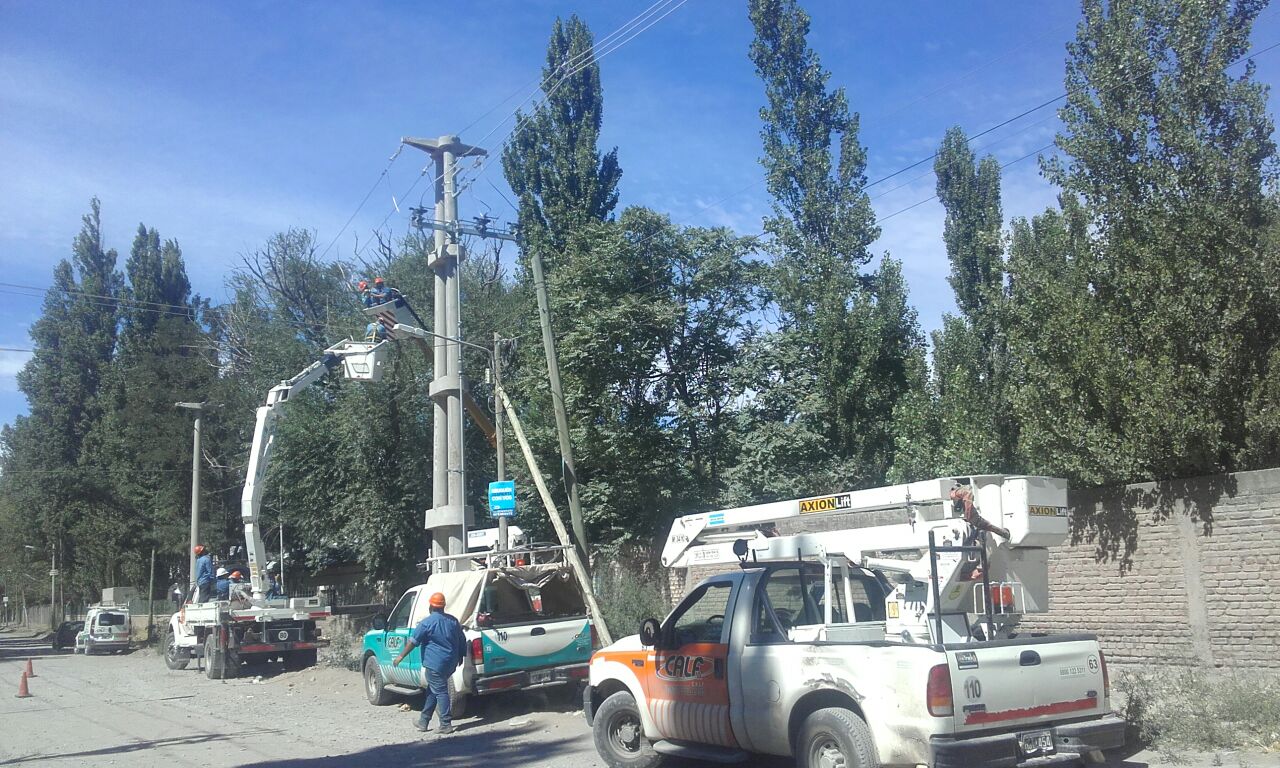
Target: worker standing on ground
204,574
444,647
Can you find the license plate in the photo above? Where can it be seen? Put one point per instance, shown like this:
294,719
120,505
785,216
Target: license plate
538,678
1036,743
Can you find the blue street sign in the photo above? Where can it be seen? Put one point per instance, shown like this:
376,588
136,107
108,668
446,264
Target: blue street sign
502,498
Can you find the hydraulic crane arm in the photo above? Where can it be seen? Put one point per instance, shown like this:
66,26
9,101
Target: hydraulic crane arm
358,360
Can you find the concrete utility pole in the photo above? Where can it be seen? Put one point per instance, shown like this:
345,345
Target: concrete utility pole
447,518
503,540
195,492
557,400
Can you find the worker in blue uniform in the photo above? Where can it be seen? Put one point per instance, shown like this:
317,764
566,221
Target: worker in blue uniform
444,647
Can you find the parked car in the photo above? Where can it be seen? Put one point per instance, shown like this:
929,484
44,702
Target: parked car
65,637
106,628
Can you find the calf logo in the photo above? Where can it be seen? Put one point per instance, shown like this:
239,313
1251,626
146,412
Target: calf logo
685,667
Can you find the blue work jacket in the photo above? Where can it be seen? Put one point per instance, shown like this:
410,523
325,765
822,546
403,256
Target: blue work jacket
204,570
442,642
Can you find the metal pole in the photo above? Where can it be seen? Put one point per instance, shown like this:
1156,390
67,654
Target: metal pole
53,588
280,560
151,599
503,540
557,400
195,489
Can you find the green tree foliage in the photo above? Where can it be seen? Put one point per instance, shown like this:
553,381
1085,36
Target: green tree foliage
1170,155
553,164
830,374
970,354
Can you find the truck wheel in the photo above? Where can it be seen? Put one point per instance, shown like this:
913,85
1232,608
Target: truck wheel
88,648
174,657
457,701
835,738
215,659
373,683
619,734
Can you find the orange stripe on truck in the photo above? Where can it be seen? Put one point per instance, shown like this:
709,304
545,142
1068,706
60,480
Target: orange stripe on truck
1057,708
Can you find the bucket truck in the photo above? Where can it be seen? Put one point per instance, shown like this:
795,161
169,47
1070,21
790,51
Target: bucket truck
894,642
250,625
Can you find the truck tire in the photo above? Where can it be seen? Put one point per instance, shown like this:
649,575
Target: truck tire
215,659
88,647
835,738
373,683
174,657
457,702
619,734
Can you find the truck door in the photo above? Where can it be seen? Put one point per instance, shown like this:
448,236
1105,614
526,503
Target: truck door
394,637
687,688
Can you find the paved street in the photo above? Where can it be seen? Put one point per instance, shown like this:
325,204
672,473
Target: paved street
131,710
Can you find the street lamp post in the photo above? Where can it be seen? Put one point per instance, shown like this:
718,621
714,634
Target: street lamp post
53,583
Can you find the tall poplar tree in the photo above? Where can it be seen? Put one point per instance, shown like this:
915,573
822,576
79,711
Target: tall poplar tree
1171,154
831,374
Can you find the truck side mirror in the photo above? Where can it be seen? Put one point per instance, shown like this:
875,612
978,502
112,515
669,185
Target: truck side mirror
379,622
649,629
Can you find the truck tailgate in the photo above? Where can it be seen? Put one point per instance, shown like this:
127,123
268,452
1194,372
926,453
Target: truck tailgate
1010,683
541,644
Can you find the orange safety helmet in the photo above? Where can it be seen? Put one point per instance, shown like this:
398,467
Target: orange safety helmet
362,284
437,600
378,281
198,549
236,575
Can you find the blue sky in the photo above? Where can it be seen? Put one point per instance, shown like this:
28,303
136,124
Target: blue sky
221,123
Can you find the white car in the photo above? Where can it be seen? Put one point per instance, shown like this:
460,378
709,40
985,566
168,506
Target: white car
106,628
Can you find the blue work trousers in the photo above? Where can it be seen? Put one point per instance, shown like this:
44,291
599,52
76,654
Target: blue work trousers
437,695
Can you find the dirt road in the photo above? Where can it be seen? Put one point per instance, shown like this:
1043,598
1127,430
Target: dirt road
130,710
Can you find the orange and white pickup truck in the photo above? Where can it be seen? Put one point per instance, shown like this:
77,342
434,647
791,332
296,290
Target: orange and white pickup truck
808,658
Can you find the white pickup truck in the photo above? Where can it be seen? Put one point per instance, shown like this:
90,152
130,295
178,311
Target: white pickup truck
809,652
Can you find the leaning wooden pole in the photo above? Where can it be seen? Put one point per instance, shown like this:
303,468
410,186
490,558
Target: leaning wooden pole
571,551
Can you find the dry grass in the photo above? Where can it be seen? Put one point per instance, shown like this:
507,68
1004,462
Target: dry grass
1175,709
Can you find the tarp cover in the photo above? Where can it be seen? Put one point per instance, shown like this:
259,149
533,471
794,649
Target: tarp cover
462,590
461,595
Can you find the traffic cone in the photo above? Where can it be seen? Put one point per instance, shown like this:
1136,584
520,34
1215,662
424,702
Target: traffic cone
23,691
30,672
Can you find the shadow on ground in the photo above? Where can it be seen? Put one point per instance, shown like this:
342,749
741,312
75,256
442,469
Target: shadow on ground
132,747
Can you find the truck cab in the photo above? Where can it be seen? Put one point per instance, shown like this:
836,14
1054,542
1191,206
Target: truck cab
526,627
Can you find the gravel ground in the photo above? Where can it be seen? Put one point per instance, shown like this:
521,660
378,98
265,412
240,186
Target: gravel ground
131,710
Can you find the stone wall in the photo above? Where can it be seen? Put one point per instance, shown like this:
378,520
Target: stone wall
1184,572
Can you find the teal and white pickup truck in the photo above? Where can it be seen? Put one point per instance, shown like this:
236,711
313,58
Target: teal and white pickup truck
527,627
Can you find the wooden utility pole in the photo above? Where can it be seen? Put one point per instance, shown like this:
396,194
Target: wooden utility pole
557,400
151,599
570,552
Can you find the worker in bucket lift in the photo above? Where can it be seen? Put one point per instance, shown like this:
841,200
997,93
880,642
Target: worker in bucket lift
962,501
363,288
204,574
382,293
375,331
444,647
223,584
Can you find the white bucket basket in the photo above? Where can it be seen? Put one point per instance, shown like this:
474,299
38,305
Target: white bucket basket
362,360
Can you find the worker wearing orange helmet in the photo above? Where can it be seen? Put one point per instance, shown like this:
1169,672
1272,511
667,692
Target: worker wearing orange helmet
204,574
444,647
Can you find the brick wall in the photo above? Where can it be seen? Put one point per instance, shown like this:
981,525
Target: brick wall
1184,572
